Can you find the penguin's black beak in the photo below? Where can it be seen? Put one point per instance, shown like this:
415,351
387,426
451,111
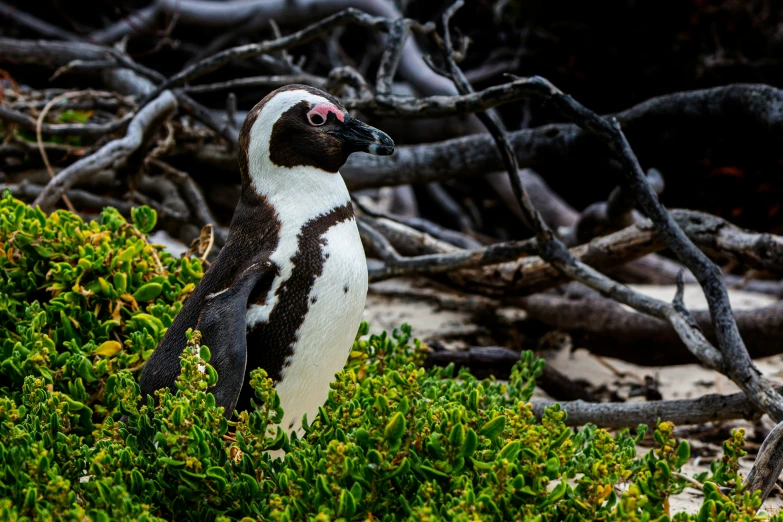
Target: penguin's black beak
360,137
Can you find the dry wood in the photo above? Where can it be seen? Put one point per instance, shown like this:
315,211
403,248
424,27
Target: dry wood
709,408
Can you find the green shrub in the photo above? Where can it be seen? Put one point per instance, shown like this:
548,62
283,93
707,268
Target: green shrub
83,305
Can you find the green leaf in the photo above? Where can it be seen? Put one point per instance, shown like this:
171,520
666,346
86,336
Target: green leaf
74,116
510,450
395,428
683,454
144,218
148,292
470,444
171,462
347,506
557,493
433,473
457,436
493,428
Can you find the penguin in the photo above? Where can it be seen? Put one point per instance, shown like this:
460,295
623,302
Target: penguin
287,291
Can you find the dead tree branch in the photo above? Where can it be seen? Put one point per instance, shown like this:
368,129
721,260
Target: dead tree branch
259,12
709,408
741,369
66,129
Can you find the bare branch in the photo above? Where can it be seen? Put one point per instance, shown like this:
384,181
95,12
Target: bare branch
392,53
605,328
39,26
741,370
709,408
66,129
257,81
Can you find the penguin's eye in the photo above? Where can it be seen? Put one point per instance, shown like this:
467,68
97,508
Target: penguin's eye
319,114
316,119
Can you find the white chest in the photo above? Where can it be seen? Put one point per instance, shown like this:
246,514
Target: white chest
336,302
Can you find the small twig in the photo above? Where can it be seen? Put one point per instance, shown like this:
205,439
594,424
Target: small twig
83,65
347,75
690,480
152,248
283,53
435,230
396,265
39,135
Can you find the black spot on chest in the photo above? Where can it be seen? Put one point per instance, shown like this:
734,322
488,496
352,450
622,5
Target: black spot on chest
270,344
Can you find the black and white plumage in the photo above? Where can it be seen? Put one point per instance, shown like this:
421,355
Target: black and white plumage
288,289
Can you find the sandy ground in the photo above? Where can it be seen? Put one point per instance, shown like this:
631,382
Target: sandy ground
675,382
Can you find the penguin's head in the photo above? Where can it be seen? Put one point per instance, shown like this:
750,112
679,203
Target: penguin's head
301,126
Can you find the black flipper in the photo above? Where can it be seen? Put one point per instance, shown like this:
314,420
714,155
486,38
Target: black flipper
223,329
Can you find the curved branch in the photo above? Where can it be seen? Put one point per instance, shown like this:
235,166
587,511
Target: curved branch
216,61
145,122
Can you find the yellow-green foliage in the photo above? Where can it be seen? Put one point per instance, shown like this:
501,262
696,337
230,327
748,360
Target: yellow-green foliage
84,304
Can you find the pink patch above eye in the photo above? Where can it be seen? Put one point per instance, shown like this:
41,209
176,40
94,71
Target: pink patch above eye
323,110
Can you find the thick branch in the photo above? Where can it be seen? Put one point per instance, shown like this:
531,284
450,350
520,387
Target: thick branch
554,251
709,408
741,369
